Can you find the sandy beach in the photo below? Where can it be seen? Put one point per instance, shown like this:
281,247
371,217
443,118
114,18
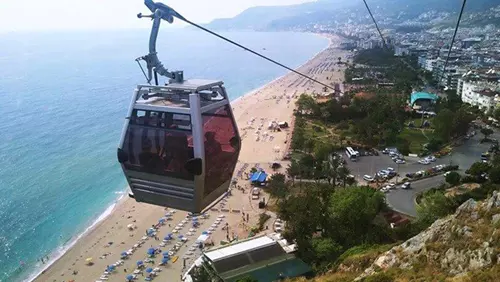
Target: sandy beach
260,147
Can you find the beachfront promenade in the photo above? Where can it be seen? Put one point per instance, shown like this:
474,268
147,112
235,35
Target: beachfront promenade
273,102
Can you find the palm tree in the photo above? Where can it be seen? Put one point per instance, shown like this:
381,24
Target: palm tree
343,172
293,170
340,59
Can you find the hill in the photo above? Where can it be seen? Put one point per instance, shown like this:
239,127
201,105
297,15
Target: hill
331,12
464,246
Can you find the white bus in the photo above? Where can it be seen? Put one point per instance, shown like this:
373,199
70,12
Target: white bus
351,154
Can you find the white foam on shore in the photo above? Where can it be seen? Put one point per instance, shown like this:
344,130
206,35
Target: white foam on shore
61,250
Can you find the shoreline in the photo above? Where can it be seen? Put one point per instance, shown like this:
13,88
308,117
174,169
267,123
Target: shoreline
63,249
123,202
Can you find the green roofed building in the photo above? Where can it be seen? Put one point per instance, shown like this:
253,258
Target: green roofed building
266,258
422,99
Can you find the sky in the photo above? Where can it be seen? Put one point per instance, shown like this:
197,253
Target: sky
21,15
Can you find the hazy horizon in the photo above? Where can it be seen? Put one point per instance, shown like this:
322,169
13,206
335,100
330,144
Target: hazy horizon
35,15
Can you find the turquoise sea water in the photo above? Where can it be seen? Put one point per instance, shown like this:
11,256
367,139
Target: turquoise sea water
64,96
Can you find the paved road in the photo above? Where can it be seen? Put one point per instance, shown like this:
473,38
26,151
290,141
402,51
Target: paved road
404,200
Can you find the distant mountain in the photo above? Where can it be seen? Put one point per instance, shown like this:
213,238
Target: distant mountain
340,11
258,18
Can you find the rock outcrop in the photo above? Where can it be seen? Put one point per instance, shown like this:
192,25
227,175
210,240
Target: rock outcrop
465,241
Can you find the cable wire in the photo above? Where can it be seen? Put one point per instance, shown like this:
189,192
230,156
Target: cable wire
254,52
376,25
385,44
453,40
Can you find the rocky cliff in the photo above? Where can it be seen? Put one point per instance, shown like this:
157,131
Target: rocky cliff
461,246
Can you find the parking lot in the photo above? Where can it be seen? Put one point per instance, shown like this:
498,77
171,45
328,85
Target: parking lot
463,156
404,200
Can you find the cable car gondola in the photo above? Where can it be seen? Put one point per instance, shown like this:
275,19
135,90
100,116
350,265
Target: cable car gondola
180,143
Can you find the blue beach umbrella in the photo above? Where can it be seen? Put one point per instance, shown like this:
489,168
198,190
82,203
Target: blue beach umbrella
110,268
130,277
167,238
165,260
181,236
165,254
149,270
124,254
151,251
204,233
161,220
140,262
195,218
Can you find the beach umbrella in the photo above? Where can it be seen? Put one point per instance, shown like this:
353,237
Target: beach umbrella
195,218
110,268
130,277
124,254
140,262
165,260
181,236
149,270
204,233
161,220
151,251
167,238
165,254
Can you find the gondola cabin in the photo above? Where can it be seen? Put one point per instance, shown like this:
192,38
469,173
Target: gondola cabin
180,144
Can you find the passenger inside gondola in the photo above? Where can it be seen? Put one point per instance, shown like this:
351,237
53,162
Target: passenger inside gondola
220,148
149,160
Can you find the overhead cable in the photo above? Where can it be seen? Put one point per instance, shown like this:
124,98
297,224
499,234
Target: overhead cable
453,39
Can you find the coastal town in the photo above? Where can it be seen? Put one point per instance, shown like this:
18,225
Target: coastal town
407,132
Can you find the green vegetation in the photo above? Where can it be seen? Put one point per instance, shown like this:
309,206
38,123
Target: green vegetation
324,224
453,178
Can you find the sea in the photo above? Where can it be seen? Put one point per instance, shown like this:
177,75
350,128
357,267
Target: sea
63,99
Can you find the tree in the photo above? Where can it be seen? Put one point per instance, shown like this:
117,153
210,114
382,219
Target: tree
404,147
293,170
478,168
494,174
486,132
277,186
343,175
443,124
453,178
303,215
307,105
434,205
496,114
326,250
247,279
434,144
348,225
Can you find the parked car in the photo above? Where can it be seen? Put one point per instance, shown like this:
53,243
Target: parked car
431,158
391,186
390,169
406,185
368,178
400,161
424,162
